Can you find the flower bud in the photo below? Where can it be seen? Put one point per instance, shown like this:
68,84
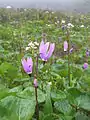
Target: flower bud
35,83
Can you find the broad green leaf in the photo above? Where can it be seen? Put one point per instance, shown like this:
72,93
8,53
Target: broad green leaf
4,93
16,89
41,115
8,70
81,116
22,79
84,102
58,95
48,110
63,106
77,71
74,92
65,117
16,108
29,93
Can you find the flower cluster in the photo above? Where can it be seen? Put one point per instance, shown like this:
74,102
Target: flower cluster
32,45
45,52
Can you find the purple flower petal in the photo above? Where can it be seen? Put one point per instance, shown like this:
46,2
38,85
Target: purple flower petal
45,51
42,56
46,46
51,49
65,45
30,62
85,66
24,64
27,65
71,50
87,53
41,48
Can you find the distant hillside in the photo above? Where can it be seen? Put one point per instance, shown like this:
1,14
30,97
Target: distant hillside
66,5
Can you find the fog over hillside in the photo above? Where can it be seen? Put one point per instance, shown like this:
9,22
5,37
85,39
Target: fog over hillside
70,5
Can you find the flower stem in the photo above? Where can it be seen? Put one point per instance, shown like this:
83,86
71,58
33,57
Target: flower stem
68,57
36,94
37,65
37,108
42,85
44,62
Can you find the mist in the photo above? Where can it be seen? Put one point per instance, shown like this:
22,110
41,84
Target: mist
70,5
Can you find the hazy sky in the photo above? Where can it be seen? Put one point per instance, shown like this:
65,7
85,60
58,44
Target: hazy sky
54,4
64,2
6,1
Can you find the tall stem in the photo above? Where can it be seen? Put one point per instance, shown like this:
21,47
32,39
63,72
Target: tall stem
68,57
36,86
37,107
37,65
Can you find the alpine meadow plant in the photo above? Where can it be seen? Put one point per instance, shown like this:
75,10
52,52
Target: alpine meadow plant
28,66
45,51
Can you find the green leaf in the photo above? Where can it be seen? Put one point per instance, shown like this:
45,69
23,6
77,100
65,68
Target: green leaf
1,49
4,93
16,89
63,107
81,116
29,93
84,102
48,110
81,100
58,95
74,92
14,108
41,115
9,70
77,71
64,117
22,79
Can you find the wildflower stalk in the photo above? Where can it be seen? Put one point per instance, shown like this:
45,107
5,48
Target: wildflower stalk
42,81
37,64
36,86
36,97
44,37
44,62
34,62
86,57
68,39
42,85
